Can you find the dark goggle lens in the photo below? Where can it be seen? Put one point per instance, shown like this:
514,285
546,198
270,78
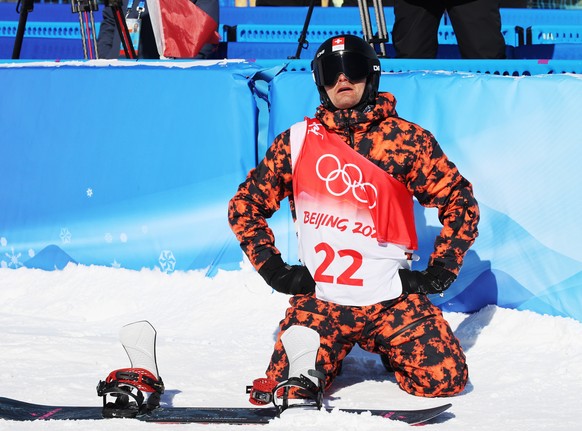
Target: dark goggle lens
355,66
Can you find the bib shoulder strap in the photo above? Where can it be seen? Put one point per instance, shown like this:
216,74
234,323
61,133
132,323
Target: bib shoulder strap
298,131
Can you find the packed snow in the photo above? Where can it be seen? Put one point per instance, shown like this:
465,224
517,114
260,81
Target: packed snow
59,337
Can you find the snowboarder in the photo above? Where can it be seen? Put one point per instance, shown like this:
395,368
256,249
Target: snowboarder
350,175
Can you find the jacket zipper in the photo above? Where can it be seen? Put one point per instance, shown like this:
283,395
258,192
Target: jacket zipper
350,131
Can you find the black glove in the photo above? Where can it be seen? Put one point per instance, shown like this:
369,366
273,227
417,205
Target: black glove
288,279
432,280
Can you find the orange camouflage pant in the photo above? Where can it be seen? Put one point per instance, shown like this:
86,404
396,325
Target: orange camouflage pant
410,331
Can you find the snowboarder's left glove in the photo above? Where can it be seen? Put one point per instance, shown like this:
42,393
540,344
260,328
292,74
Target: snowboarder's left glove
432,280
288,279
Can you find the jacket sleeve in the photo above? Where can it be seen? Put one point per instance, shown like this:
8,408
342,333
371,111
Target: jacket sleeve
257,199
436,182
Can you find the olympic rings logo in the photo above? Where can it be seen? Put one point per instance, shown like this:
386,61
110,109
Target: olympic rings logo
340,180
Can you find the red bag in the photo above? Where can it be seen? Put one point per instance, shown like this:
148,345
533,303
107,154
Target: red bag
181,28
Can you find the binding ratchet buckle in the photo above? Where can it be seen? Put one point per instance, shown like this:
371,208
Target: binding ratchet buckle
127,386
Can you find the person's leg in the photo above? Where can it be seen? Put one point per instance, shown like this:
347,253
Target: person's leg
415,30
418,342
477,25
337,328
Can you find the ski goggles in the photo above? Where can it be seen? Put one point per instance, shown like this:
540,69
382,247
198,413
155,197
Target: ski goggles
353,65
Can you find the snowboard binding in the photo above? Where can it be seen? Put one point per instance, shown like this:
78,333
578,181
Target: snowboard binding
302,390
298,391
304,386
136,390
127,386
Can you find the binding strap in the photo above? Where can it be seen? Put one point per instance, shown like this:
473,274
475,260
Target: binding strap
261,392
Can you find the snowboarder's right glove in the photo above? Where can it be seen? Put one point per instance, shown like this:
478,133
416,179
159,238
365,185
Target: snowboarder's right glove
288,279
432,280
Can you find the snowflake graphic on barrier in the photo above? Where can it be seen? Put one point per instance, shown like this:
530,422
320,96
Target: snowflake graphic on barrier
167,261
14,259
65,235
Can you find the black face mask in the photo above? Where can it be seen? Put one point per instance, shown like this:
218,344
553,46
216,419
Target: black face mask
353,65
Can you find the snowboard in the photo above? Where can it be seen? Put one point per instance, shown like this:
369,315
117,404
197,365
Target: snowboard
139,341
15,410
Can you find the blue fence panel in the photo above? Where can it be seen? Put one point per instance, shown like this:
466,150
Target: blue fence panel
46,30
52,30
128,166
554,34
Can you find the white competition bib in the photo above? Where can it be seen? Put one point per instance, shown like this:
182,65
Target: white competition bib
355,223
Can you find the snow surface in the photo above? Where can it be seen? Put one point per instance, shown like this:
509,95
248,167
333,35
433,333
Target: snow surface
59,337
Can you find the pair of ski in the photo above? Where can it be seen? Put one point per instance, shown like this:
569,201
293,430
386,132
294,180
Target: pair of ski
138,340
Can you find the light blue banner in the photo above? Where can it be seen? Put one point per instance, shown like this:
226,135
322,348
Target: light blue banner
133,166
128,166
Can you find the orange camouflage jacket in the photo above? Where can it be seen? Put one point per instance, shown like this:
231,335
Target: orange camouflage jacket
403,149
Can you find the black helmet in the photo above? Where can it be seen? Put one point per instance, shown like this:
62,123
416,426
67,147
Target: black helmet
352,56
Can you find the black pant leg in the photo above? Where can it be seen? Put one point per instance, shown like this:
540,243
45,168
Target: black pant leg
415,29
477,25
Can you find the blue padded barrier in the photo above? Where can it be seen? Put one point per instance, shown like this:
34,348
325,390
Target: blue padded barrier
512,35
44,12
46,30
291,33
52,30
43,49
522,17
528,17
231,15
276,33
559,51
288,15
153,193
124,177
553,34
